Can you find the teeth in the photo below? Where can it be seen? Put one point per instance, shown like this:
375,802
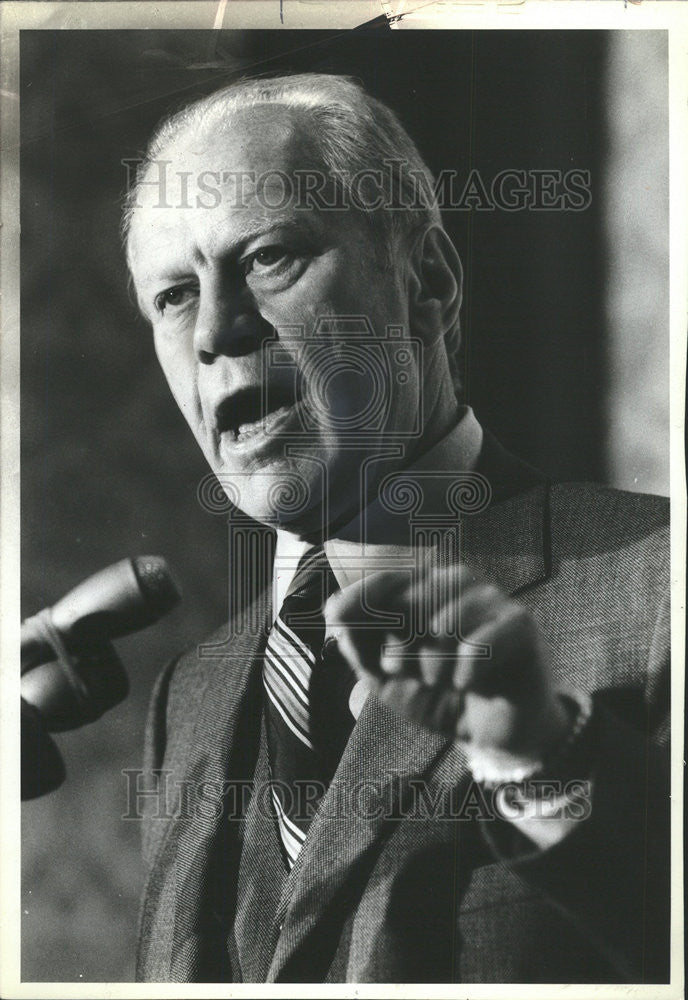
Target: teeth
246,430
259,426
271,418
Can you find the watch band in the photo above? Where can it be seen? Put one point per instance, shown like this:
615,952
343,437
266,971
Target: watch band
572,751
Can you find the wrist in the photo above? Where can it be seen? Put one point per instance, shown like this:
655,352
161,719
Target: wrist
564,748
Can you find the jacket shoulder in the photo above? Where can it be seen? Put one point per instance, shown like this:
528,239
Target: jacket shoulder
586,516
612,548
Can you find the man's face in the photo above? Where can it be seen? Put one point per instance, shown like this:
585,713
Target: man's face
234,289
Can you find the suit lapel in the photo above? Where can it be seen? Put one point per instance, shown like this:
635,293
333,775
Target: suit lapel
366,795
509,542
223,750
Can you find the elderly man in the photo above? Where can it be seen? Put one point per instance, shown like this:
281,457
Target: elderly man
431,749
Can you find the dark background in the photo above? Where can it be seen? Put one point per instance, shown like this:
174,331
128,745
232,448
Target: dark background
108,467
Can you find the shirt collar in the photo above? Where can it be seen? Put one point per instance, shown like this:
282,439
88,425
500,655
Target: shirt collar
388,533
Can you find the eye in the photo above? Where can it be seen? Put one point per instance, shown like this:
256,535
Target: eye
176,296
265,259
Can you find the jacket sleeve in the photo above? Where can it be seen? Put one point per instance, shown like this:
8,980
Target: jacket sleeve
611,876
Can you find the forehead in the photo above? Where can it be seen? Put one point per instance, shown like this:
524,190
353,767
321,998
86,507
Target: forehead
253,148
220,175
259,138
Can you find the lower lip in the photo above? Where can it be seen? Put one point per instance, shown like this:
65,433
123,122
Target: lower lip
261,436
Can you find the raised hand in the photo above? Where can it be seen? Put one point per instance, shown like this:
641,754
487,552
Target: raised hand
465,660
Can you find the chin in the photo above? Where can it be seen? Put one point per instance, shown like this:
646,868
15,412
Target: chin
302,496
279,495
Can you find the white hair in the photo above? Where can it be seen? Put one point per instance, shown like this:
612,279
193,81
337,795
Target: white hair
352,133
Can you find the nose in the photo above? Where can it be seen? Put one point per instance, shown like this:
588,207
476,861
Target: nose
228,325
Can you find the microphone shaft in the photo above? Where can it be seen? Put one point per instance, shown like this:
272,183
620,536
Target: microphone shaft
34,649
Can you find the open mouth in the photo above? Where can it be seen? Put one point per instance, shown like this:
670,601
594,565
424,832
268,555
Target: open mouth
256,410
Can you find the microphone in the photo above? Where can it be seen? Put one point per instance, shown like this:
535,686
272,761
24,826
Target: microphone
42,767
70,671
127,596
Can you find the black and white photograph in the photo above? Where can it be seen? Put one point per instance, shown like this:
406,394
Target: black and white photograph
348,523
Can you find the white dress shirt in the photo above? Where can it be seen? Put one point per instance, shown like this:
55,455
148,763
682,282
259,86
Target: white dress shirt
377,537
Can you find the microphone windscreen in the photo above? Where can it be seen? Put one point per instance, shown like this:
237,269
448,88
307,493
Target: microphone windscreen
157,584
129,595
121,598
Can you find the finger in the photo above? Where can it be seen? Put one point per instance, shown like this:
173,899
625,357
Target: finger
466,608
436,664
437,564
359,618
428,662
368,601
372,654
503,656
434,593
435,707
397,658
429,591
412,596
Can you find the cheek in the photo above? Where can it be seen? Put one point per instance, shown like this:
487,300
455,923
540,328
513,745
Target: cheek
297,307
351,384
332,285
176,359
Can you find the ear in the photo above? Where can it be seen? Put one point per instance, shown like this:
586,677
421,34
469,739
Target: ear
435,285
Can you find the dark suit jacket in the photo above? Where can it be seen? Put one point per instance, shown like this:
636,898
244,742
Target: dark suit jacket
396,897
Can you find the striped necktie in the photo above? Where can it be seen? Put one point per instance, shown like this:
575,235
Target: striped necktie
306,702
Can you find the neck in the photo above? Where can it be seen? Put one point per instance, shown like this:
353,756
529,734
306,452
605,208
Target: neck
441,419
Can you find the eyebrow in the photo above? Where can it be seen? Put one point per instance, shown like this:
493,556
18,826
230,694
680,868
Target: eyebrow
254,231
251,232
